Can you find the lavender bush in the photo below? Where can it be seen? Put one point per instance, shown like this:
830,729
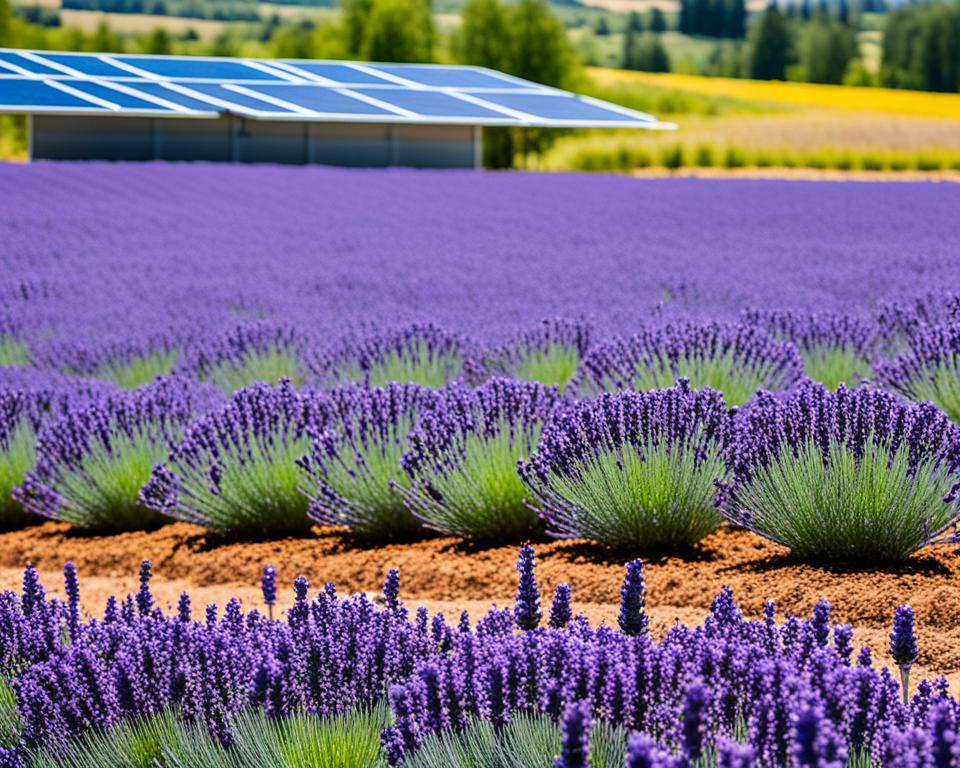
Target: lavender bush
353,467
633,469
463,458
854,474
93,461
733,358
235,469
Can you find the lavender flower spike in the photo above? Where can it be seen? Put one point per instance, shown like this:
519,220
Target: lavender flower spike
633,597
526,609
903,645
575,748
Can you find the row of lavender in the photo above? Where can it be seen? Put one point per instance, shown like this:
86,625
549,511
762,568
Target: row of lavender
853,474
142,687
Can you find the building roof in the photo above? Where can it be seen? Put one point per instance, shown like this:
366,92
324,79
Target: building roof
48,82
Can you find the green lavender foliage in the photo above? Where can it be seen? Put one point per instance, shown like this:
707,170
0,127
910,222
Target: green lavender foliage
9,717
13,352
724,373
941,386
261,492
868,509
17,456
527,741
269,365
833,366
483,496
419,365
140,370
651,498
554,365
103,491
163,741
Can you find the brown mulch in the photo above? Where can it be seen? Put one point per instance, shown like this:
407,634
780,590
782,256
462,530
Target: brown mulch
448,573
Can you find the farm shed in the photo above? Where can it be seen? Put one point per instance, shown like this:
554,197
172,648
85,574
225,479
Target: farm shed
84,106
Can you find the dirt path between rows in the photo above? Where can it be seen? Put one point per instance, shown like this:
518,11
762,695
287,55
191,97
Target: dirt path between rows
448,575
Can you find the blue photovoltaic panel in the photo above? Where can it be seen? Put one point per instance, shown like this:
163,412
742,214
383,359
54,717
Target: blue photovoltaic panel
450,77
556,107
161,91
87,64
319,98
27,64
223,93
27,92
202,69
121,99
432,103
339,73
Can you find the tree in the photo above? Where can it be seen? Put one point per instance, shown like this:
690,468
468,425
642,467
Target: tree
645,52
484,37
398,30
104,41
5,16
540,50
602,29
770,49
658,22
634,22
921,48
355,14
826,49
157,41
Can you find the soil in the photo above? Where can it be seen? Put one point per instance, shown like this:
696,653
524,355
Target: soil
450,575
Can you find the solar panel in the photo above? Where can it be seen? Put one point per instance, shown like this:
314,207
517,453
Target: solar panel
291,89
563,107
25,92
451,77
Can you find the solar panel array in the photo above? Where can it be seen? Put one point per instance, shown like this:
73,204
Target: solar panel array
287,89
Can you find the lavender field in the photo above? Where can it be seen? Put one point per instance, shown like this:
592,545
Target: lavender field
666,375
116,248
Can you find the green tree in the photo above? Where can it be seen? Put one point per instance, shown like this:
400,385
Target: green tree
105,41
540,50
5,17
826,49
658,22
770,46
484,35
355,14
921,48
398,30
645,52
292,41
602,29
157,41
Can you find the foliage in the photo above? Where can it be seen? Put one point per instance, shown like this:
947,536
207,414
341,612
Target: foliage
921,44
715,18
826,47
644,51
771,46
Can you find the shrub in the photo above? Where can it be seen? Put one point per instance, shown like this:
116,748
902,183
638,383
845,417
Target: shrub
93,461
354,462
13,350
416,354
255,352
549,355
235,469
633,469
733,358
463,458
836,348
850,475
929,369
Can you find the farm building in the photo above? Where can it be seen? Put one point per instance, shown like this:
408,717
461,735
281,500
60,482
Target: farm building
84,106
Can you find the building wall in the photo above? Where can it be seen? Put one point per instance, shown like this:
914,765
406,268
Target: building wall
232,139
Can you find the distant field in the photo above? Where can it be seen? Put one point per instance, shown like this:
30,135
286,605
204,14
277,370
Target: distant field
129,23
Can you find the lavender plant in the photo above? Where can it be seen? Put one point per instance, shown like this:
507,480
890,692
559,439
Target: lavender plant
353,466
733,358
420,353
129,362
93,461
235,469
929,368
260,351
463,458
853,475
13,350
836,348
633,469
550,354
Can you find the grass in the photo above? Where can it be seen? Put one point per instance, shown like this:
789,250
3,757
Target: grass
871,509
17,457
480,495
13,352
833,366
268,366
102,491
649,498
140,370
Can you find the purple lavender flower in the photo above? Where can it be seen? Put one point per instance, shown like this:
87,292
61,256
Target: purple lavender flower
560,608
526,609
903,645
268,585
633,598
696,723
644,752
575,747
633,469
